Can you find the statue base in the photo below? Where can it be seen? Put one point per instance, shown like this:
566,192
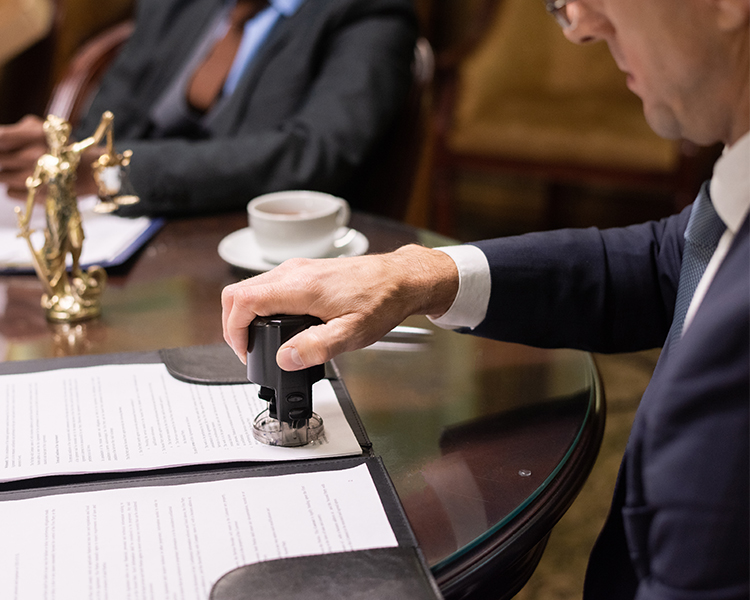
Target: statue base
79,298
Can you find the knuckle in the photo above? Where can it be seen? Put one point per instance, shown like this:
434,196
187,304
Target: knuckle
227,295
295,263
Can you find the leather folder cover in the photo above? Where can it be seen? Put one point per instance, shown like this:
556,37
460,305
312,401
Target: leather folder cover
388,573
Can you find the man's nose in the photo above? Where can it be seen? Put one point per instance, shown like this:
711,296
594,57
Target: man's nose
587,23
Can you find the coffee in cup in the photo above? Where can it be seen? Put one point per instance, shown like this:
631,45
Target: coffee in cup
296,223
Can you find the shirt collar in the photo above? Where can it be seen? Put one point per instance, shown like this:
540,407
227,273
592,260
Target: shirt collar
730,184
286,7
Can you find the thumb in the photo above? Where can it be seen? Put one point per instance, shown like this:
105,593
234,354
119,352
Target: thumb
289,359
313,346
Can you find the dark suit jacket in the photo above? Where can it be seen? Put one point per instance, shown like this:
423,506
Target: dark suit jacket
307,114
679,526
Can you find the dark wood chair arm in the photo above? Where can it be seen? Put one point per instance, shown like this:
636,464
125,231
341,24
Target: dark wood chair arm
449,60
72,94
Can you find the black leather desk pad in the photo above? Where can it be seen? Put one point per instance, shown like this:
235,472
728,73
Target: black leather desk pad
389,573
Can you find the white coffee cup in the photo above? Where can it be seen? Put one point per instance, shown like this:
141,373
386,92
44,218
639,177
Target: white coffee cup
296,224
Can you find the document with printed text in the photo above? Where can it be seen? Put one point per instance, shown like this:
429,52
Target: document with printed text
110,239
176,541
132,417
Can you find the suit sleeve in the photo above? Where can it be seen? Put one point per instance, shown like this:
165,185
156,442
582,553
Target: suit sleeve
610,290
116,92
361,80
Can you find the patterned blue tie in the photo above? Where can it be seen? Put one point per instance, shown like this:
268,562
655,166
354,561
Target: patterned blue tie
702,235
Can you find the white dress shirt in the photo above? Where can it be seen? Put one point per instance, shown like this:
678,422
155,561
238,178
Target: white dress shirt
730,193
256,31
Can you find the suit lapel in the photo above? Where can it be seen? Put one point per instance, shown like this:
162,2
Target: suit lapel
190,21
276,41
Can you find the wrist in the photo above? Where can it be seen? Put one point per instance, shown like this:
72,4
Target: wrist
430,279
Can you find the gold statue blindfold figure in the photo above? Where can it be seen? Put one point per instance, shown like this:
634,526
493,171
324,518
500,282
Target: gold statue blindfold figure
72,295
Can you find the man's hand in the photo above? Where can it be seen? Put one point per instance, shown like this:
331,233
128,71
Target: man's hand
358,299
21,145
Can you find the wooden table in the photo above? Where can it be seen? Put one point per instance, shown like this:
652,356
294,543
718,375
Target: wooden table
487,443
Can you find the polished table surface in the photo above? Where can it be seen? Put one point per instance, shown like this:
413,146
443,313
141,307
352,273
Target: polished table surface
487,443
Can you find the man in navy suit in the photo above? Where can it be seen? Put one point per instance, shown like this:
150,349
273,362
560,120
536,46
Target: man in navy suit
311,93
678,527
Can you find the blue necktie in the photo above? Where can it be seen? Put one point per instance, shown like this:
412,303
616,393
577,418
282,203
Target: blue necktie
702,235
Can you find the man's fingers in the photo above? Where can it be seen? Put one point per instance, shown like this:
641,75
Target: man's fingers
24,159
235,321
26,131
321,343
15,181
21,145
289,359
242,302
16,167
16,186
311,347
227,301
359,299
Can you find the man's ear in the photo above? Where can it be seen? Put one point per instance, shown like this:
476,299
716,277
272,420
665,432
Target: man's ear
732,14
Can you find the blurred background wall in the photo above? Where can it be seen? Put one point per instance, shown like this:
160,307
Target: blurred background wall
28,74
525,130
530,131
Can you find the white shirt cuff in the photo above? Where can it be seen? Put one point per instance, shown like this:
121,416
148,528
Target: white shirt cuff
474,284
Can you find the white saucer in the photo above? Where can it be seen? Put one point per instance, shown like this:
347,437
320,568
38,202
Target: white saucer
241,250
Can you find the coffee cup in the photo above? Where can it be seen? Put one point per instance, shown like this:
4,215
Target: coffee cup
296,224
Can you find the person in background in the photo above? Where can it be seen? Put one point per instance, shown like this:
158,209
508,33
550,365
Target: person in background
223,101
678,525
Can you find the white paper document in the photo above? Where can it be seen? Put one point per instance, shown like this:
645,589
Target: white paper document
137,416
176,541
107,236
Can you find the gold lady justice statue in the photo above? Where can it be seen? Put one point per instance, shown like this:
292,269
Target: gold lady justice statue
75,295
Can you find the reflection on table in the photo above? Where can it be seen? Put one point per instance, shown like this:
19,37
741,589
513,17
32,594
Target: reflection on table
487,443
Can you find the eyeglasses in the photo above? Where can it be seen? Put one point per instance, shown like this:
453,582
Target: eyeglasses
559,10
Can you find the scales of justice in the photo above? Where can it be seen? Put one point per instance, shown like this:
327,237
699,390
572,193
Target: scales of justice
71,294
